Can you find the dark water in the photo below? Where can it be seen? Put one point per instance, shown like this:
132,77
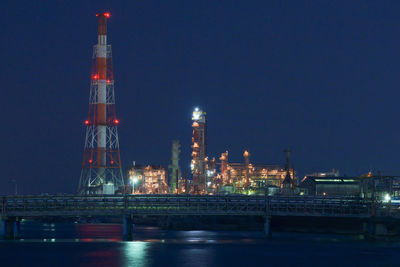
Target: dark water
69,244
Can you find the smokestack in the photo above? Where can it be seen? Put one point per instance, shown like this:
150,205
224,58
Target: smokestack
101,61
224,167
246,156
101,166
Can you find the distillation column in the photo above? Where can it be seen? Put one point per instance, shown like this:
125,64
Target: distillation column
175,171
199,151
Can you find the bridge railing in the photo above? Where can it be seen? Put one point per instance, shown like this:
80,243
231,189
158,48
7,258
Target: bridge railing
188,205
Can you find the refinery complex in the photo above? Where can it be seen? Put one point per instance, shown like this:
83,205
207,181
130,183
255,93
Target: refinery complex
208,175
102,173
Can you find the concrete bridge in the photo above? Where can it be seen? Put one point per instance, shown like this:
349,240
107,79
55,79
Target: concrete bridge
15,208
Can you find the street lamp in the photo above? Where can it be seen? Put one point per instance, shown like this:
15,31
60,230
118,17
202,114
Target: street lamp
134,181
387,198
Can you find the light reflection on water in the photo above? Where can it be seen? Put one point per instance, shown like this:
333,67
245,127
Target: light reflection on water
135,253
203,256
70,244
72,232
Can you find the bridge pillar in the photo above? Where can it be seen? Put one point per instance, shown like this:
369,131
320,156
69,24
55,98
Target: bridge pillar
365,228
376,229
10,228
17,229
3,230
381,229
267,227
371,228
127,227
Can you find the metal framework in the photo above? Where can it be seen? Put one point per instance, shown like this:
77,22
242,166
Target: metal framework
31,206
101,165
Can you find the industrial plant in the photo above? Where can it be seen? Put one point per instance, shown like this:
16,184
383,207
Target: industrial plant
102,173
209,176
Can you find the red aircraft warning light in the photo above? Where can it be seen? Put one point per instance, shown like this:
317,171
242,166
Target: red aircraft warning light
86,122
97,172
106,14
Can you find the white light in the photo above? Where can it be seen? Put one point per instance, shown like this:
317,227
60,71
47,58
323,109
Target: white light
134,180
387,198
196,115
208,183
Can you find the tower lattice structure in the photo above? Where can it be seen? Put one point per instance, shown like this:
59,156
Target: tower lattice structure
101,165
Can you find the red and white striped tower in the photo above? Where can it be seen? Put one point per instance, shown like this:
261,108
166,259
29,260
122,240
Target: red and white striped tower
101,165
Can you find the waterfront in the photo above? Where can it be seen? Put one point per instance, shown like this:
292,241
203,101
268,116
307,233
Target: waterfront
71,244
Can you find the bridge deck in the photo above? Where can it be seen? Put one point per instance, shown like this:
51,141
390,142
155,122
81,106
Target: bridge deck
32,206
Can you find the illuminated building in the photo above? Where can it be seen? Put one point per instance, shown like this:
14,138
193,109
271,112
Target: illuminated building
332,173
210,174
148,179
199,152
249,178
331,186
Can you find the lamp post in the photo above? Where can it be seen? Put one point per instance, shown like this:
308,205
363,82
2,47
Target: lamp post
134,181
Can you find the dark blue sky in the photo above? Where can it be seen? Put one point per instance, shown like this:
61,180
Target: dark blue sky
321,77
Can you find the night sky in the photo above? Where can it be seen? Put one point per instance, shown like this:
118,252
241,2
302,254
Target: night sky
320,77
